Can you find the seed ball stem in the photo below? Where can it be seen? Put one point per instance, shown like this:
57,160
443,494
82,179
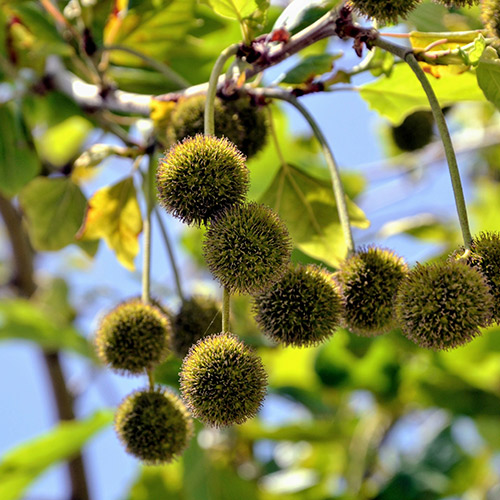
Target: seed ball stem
133,337
247,248
154,426
302,309
222,381
443,305
200,177
368,283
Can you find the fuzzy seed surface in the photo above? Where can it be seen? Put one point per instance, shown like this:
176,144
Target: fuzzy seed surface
223,382
384,11
154,426
302,309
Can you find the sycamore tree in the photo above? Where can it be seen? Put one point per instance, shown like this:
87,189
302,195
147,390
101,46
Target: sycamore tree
278,302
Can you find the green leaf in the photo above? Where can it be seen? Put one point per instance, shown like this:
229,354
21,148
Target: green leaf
308,207
397,96
21,466
154,483
22,319
488,75
310,67
113,214
19,163
54,209
233,9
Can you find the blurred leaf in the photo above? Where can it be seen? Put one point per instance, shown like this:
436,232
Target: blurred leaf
21,466
488,75
307,206
310,67
233,9
53,299
19,163
153,28
113,214
21,319
397,96
428,17
155,483
54,209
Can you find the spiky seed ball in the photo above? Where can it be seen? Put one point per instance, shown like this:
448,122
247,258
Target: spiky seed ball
443,305
415,132
247,248
153,425
368,283
302,309
484,255
384,11
198,317
490,15
200,177
222,381
241,121
133,337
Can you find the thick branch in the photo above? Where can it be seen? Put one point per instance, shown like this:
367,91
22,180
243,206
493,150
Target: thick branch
25,285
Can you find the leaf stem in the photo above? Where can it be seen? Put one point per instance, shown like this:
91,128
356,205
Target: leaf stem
338,188
146,262
212,87
171,256
407,55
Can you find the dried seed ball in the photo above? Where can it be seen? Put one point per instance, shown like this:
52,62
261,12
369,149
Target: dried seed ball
302,309
154,426
415,132
198,317
490,15
384,11
241,121
485,256
201,176
133,337
368,283
247,248
443,305
222,381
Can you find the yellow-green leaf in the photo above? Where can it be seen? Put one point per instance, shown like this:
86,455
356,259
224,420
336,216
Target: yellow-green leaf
24,464
308,207
233,9
113,214
54,209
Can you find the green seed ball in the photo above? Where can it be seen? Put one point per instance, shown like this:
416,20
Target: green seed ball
200,177
154,426
384,11
241,121
484,255
302,309
247,248
443,305
368,282
415,132
198,317
222,381
133,337
490,15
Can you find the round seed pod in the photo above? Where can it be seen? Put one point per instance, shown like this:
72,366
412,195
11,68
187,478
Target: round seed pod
198,317
302,309
490,15
133,337
222,381
443,305
247,248
368,283
384,11
415,132
484,255
153,425
241,121
200,177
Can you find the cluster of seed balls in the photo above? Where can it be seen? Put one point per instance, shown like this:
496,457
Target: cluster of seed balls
389,11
